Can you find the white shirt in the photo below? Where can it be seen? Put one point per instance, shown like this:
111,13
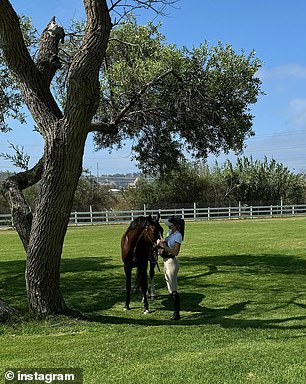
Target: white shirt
172,238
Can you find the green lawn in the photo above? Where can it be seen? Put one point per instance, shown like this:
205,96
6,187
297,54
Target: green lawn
243,292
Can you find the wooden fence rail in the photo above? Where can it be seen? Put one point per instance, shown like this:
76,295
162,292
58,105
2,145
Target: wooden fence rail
194,213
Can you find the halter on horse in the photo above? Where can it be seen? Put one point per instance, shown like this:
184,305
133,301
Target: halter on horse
138,246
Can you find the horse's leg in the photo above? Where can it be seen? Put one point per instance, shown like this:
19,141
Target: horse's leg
128,279
152,273
137,283
144,287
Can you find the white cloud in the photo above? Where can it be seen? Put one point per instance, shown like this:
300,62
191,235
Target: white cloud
297,112
288,70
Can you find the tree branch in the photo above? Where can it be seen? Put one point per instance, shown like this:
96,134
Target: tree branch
15,52
114,5
122,8
33,84
137,95
12,189
48,61
103,128
83,78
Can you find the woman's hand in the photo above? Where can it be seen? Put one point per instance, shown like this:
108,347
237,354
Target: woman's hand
160,243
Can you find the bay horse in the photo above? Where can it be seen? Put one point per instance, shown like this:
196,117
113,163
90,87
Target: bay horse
138,245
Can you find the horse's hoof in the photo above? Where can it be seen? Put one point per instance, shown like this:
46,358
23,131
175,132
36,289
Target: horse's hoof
125,308
146,311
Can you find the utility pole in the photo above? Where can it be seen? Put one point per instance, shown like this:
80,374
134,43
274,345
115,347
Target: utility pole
98,173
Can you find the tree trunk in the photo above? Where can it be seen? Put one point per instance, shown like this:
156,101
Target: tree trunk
62,169
64,133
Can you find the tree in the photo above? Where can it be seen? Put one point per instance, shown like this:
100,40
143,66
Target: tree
164,192
201,96
264,182
90,193
248,181
176,99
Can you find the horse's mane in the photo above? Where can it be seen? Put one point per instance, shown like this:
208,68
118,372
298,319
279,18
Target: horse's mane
141,221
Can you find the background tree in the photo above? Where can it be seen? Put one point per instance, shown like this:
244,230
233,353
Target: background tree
264,182
247,181
181,185
198,98
90,193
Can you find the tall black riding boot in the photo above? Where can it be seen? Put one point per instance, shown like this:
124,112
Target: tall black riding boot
176,306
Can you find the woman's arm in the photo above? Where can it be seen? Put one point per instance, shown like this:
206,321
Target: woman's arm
174,251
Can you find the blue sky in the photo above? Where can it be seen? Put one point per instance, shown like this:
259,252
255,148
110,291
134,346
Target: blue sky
275,29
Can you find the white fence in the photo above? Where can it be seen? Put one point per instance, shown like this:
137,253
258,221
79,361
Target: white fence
195,213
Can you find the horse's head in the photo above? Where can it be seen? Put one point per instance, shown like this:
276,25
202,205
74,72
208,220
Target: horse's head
154,229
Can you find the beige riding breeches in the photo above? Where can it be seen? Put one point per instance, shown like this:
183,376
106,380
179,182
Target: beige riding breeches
171,268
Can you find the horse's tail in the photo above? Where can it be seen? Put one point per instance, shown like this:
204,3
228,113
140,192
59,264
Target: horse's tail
124,246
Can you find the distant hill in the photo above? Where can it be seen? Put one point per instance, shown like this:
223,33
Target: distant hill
117,180
120,180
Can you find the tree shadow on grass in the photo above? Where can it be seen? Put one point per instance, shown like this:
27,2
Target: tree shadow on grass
237,314
12,284
85,283
272,263
225,316
92,282
196,314
92,285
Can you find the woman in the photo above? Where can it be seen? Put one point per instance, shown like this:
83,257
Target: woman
170,248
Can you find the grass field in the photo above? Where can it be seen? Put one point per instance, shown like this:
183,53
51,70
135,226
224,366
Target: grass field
243,293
